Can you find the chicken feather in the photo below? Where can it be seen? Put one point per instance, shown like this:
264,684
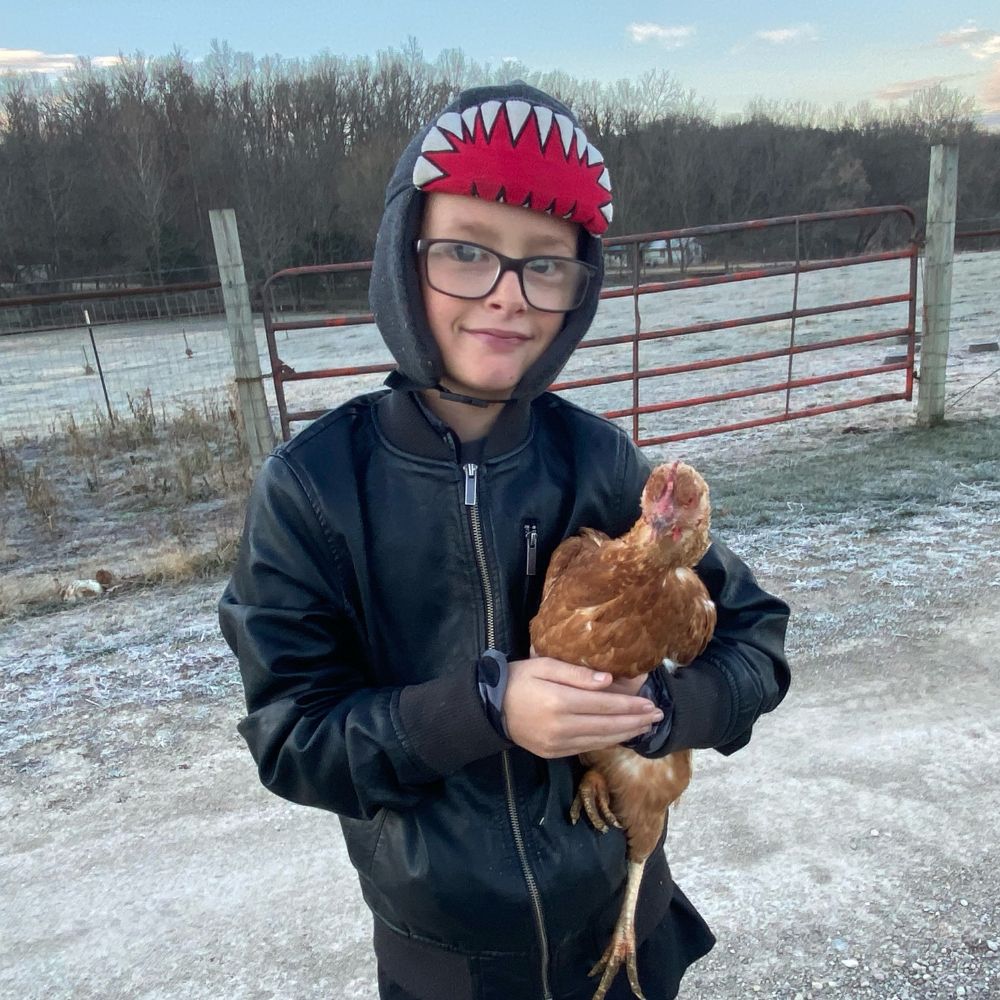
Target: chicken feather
625,605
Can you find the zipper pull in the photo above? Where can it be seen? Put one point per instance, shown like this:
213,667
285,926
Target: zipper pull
530,548
471,484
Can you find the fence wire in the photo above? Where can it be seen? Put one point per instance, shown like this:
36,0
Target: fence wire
168,351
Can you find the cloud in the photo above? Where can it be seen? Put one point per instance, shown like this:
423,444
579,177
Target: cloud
671,38
907,88
990,93
34,61
980,43
782,36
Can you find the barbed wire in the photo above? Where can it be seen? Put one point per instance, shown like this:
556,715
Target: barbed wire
951,400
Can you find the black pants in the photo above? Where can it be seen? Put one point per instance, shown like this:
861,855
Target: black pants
620,990
388,990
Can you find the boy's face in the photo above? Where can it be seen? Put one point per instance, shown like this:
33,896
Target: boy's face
487,344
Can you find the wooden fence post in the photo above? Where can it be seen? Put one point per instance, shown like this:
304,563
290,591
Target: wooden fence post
242,339
942,197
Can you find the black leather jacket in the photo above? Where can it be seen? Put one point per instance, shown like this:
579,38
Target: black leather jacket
373,572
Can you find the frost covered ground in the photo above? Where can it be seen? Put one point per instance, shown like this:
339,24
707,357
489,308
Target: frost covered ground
849,851
44,377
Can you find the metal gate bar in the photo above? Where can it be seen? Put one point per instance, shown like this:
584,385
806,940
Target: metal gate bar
635,288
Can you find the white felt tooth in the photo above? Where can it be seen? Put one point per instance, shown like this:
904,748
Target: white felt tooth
593,155
451,121
527,202
607,212
501,200
469,117
569,214
605,180
435,142
424,172
490,111
581,142
517,115
543,119
565,132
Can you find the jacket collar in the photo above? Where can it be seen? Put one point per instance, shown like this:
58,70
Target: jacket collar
409,425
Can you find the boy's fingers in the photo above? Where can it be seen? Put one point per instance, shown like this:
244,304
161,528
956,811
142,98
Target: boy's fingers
572,674
581,744
613,727
602,704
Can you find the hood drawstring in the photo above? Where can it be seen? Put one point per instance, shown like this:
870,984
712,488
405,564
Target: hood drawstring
457,397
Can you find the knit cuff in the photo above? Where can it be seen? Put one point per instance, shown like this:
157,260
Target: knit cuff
655,690
445,724
703,706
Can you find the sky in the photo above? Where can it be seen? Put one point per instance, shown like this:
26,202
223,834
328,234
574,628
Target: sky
728,53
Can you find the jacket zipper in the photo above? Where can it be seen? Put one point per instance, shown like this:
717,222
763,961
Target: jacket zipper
472,503
530,548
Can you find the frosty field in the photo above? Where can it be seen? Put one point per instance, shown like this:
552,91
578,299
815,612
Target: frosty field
44,381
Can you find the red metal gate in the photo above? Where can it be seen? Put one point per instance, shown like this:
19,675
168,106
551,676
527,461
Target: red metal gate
634,249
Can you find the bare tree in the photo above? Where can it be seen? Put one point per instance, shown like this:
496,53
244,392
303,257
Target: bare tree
114,170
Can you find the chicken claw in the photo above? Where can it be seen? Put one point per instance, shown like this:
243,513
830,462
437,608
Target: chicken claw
621,947
622,944
594,797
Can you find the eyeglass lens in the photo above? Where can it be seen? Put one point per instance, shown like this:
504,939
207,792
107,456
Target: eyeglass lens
555,284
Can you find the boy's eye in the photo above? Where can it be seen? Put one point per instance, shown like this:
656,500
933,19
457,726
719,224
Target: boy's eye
465,253
546,267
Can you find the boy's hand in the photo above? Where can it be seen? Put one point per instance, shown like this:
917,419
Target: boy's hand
557,709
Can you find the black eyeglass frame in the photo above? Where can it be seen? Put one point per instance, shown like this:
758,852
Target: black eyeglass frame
515,264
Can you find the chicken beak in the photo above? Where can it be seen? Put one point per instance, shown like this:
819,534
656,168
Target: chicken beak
664,506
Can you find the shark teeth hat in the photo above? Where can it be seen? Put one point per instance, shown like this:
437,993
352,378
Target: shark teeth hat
519,153
510,144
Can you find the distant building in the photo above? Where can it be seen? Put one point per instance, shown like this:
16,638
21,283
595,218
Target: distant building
678,252
28,274
617,257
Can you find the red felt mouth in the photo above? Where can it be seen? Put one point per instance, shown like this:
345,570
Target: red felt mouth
538,160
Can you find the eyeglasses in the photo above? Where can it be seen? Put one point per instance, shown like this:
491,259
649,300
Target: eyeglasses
470,271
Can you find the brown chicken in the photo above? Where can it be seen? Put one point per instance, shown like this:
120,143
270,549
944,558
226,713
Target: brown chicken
625,605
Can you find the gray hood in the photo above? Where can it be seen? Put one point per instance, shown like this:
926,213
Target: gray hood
395,295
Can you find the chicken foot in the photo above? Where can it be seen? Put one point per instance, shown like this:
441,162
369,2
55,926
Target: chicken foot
622,945
594,797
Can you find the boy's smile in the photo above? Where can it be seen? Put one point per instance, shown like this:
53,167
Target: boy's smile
488,344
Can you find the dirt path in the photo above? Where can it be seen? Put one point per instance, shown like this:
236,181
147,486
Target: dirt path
848,852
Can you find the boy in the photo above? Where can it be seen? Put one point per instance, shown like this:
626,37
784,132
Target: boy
394,554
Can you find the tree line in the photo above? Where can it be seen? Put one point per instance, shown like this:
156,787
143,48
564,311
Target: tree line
113,171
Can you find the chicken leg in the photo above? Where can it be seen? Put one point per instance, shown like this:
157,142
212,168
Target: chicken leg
624,790
621,947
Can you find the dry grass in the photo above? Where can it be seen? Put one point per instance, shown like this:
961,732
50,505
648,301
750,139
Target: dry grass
152,498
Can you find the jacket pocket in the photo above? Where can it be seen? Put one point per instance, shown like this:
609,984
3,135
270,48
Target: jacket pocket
362,838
